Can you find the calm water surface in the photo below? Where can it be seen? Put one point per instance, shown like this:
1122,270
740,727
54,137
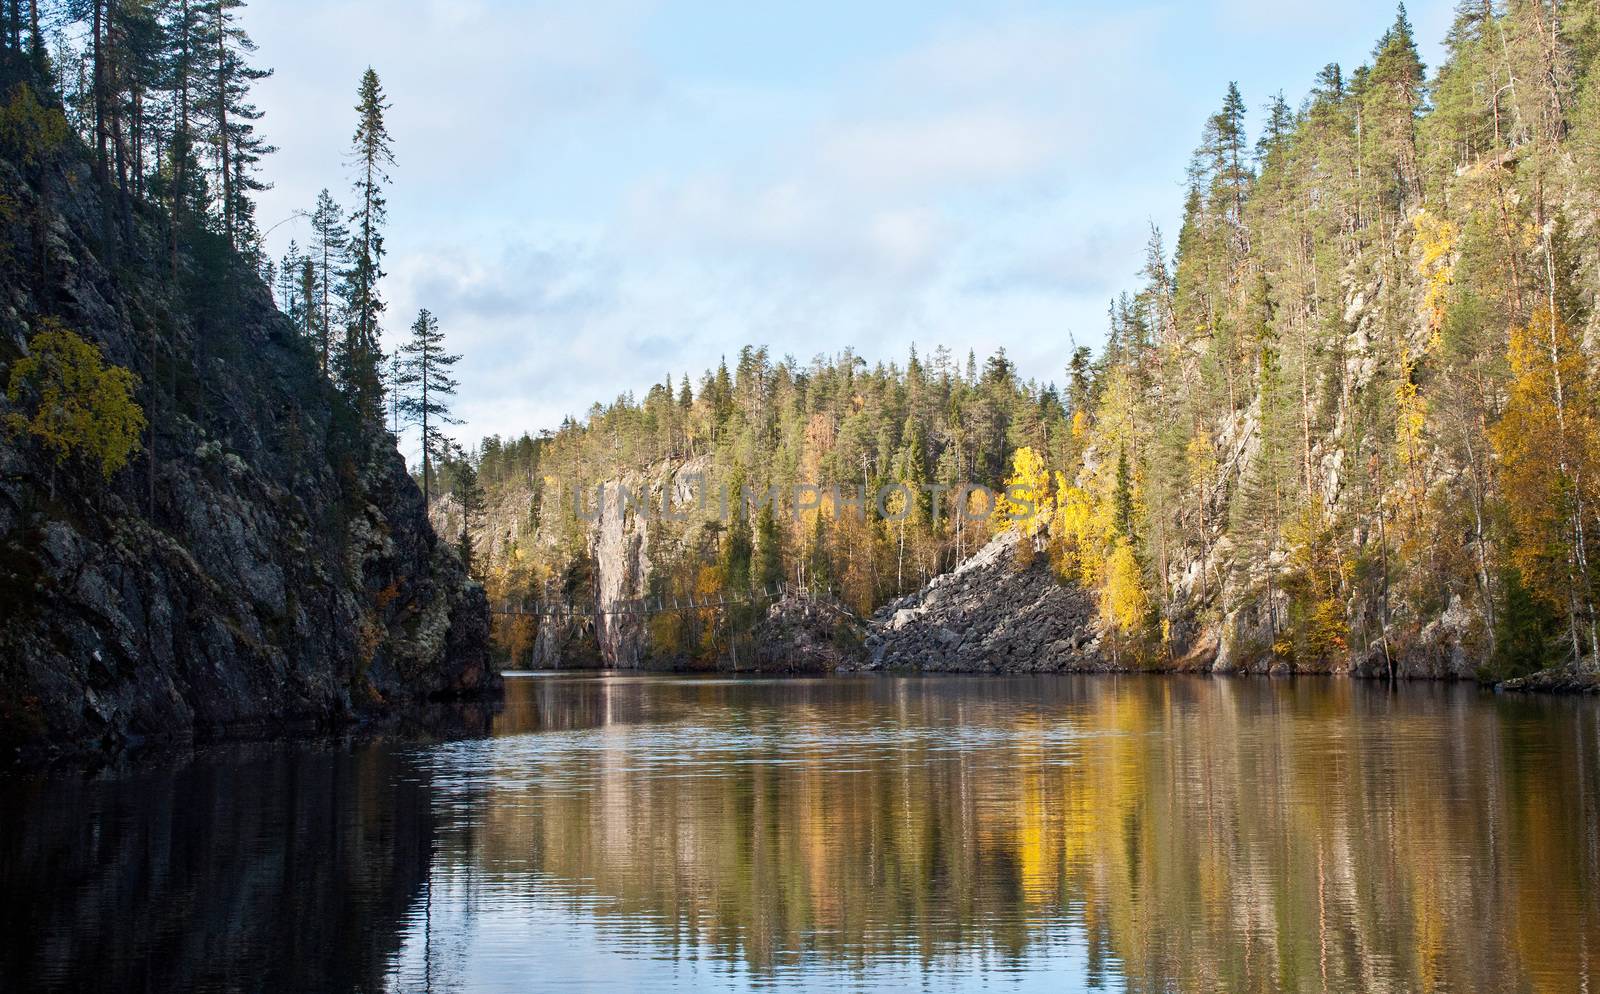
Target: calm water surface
693,834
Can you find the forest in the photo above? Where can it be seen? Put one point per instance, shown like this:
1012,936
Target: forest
1352,403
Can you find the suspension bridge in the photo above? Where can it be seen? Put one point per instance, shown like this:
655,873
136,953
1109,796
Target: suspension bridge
644,607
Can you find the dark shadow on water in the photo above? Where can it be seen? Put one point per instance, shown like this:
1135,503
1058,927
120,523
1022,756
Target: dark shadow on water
276,865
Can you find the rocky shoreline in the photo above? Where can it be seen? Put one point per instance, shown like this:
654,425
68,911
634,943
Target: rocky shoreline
1553,682
992,616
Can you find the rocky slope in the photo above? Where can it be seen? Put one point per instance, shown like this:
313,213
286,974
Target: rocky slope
989,616
270,559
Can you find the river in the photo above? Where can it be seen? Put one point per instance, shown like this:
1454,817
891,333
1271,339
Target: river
631,832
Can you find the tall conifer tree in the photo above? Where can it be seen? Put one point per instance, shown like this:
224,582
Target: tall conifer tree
373,155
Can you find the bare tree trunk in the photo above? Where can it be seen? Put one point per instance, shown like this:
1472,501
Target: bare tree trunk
181,142
1582,599
97,31
118,142
222,129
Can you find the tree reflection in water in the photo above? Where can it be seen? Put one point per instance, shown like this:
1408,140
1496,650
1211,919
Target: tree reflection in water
1153,833
638,832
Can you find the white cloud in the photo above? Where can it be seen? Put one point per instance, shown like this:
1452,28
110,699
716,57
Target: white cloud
973,145
584,222
476,90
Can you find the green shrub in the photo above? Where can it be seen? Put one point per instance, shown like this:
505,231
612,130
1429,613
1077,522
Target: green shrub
30,131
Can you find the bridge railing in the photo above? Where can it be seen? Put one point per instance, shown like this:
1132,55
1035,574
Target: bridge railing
641,607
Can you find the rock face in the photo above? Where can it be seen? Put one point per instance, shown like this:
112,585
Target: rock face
272,561
621,571
624,540
987,616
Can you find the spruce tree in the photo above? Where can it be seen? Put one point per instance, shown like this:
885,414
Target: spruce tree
469,494
287,284
768,567
1123,497
373,155
307,279
330,243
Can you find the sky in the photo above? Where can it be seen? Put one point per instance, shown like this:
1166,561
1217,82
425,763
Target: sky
591,196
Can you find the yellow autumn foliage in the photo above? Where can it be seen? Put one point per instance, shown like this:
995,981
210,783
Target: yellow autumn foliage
1549,446
1124,604
81,405
1026,503
1436,239
1074,543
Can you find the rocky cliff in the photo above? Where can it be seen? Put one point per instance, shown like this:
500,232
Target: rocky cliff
265,556
621,542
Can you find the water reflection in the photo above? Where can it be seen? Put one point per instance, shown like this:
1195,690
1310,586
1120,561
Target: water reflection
702,834
251,869
1148,834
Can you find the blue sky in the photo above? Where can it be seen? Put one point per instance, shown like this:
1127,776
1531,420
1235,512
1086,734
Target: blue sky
592,195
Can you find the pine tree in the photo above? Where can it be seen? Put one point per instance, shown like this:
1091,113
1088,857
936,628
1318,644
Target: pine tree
1464,124
425,368
1392,97
232,118
1224,145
